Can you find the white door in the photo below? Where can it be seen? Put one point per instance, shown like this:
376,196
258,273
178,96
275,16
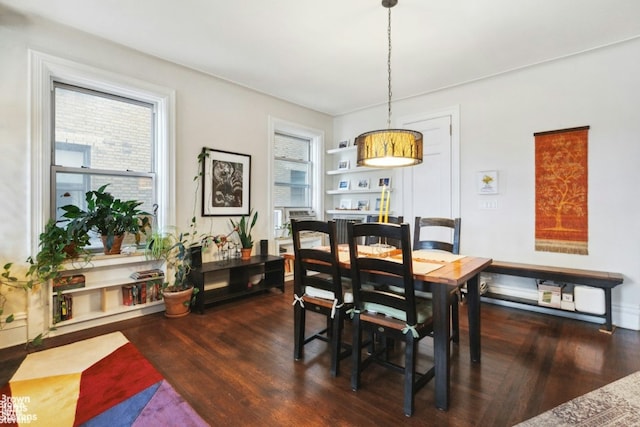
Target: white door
432,187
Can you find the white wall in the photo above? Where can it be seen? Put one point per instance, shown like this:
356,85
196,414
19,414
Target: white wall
498,117
210,112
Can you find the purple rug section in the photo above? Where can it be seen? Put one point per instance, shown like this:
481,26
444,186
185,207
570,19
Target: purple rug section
168,408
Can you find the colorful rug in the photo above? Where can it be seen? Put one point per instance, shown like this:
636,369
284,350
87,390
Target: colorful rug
616,404
102,381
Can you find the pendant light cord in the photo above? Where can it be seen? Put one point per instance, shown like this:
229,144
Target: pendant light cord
389,71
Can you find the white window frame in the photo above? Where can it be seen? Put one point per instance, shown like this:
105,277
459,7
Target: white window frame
43,68
316,136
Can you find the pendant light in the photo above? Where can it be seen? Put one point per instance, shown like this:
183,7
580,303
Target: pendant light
389,147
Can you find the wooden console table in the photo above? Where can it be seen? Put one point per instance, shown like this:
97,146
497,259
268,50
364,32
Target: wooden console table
597,279
245,277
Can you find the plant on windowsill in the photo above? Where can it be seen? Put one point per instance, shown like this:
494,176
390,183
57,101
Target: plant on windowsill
110,217
243,228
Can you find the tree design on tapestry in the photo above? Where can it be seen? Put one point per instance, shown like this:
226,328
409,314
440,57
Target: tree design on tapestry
561,191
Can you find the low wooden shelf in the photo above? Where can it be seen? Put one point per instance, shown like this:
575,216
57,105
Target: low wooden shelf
241,280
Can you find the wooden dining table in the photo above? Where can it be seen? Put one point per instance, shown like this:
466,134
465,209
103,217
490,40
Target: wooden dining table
441,273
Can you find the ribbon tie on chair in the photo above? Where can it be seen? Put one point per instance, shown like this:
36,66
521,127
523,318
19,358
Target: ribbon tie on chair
335,306
413,330
352,312
296,299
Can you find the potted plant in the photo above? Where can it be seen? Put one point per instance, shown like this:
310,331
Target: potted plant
110,217
244,228
176,250
57,245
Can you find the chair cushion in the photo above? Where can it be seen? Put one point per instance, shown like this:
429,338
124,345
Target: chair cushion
347,294
423,310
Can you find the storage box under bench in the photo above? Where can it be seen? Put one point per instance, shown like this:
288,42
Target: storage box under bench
594,298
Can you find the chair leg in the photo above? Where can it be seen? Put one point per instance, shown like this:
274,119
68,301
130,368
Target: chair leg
298,331
356,349
336,343
409,374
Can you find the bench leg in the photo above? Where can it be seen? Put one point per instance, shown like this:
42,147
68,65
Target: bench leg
608,324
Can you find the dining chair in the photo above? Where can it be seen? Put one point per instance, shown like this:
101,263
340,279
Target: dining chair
318,287
441,234
370,240
400,317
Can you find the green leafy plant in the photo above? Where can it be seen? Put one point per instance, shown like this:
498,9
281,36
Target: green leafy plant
58,243
244,228
109,216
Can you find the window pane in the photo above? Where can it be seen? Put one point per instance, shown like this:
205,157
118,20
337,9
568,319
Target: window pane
292,171
292,183
102,132
291,147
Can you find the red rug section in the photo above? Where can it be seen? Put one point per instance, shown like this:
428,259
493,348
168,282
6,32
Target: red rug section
112,380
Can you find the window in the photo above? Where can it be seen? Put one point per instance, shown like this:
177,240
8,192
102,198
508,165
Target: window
296,169
92,127
292,171
101,139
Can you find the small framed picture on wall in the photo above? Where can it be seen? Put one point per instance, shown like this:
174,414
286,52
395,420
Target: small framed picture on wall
343,184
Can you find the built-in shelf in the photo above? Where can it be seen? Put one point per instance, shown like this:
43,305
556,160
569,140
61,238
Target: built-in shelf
342,150
350,170
369,191
353,212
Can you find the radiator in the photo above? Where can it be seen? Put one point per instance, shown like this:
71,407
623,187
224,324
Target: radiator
341,229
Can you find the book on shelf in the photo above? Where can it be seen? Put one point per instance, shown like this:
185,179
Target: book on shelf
68,282
147,274
142,292
62,307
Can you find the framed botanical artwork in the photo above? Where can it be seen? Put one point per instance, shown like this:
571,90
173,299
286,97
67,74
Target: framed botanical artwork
343,184
487,182
384,182
226,181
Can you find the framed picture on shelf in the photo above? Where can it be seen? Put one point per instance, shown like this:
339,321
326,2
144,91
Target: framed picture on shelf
363,184
343,164
343,184
363,205
345,204
378,201
384,182
343,144
226,183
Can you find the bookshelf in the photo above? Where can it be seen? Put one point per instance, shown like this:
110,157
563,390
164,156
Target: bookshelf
101,299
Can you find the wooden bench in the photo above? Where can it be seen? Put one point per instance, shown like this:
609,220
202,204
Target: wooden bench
597,279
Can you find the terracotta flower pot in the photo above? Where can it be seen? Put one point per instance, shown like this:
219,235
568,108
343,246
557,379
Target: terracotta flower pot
115,247
245,253
176,304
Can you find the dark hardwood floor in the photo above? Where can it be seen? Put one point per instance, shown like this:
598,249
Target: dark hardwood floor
235,366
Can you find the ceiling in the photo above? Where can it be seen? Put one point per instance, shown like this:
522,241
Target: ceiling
331,55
